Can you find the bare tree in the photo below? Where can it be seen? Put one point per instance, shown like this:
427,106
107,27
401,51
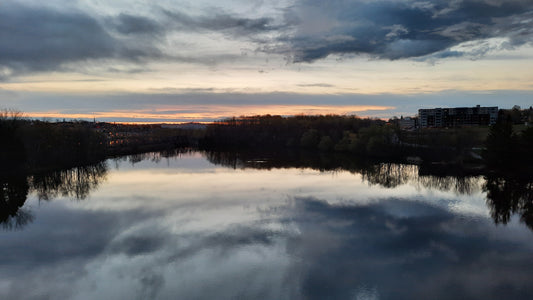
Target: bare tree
10,114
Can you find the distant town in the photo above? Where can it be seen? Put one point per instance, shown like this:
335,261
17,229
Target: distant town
464,116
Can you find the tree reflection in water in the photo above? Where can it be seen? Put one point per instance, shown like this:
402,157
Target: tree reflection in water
391,175
153,156
75,183
506,195
386,174
13,193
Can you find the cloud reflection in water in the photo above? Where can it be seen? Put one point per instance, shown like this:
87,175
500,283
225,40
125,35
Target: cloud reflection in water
269,234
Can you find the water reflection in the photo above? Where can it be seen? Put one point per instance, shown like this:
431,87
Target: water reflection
13,193
154,232
509,195
155,157
386,174
76,183
427,253
505,195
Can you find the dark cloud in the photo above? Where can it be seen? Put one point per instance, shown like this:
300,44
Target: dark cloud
401,29
223,22
130,24
41,39
150,284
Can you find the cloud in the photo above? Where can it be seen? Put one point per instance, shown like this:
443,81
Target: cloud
36,39
221,22
316,85
167,21
206,113
41,39
211,104
400,29
130,24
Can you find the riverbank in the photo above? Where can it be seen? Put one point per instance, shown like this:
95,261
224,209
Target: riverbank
34,146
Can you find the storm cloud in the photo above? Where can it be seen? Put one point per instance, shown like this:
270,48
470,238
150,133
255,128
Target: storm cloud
225,22
130,24
37,38
403,29
34,38
42,39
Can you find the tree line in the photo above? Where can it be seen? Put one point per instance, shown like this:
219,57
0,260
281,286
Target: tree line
324,133
30,146
35,145
343,134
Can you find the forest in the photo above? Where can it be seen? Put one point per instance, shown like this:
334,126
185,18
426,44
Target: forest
30,146
35,145
364,137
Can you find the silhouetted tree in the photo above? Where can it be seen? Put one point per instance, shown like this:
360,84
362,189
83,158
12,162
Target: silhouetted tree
13,192
310,139
75,183
508,195
500,144
325,144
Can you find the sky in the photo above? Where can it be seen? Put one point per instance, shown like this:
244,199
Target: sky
181,61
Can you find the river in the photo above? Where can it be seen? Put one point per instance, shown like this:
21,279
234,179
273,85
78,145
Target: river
197,225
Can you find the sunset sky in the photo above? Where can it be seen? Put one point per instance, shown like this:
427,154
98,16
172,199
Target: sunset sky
180,61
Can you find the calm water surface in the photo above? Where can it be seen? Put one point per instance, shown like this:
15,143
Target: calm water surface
183,227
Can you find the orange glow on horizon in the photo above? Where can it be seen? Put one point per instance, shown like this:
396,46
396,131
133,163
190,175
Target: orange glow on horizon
183,114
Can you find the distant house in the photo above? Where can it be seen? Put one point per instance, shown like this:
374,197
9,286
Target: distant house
407,123
458,116
189,126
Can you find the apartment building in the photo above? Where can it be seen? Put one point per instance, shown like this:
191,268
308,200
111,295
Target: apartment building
458,116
